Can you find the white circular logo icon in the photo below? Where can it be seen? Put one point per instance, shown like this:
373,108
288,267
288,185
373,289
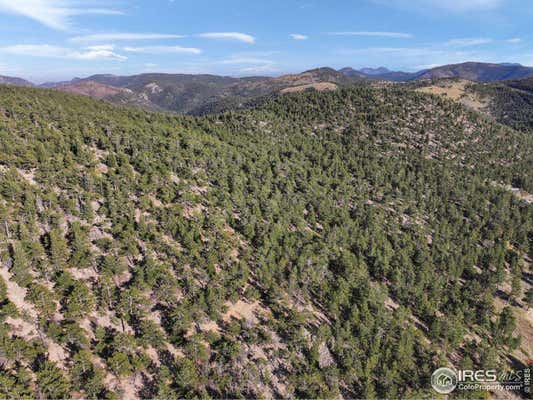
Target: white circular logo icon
444,380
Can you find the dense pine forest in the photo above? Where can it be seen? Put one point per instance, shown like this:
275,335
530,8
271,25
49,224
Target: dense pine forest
320,245
511,101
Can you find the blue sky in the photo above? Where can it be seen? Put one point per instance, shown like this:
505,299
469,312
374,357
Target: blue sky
59,39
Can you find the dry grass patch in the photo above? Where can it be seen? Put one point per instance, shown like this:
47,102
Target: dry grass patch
317,86
456,90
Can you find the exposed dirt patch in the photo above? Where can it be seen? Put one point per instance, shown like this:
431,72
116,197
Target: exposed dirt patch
28,176
209,326
242,310
190,211
22,328
83,274
456,90
17,294
108,320
91,88
317,86
57,354
128,387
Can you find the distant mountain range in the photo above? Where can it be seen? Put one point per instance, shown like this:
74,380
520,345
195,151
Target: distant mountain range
9,80
200,94
375,71
473,71
478,72
380,73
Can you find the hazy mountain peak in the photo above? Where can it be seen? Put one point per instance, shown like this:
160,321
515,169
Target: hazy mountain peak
375,71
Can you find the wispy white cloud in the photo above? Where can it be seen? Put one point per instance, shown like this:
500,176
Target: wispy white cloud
250,64
411,51
255,54
115,36
259,69
102,47
514,40
56,14
163,50
467,42
298,36
394,35
446,5
49,51
242,37
96,55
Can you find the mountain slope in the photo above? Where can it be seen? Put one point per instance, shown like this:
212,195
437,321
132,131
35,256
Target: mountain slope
90,88
198,94
474,71
379,74
201,94
313,247
508,102
375,71
9,80
349,71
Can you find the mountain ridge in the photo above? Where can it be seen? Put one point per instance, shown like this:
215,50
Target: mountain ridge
11,80
204,93
476,71
509,102
507,71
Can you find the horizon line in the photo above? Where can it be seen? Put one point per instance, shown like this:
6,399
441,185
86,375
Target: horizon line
39,82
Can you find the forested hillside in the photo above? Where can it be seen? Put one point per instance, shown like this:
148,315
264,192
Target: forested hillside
199,94
510,102
322,245
476,71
